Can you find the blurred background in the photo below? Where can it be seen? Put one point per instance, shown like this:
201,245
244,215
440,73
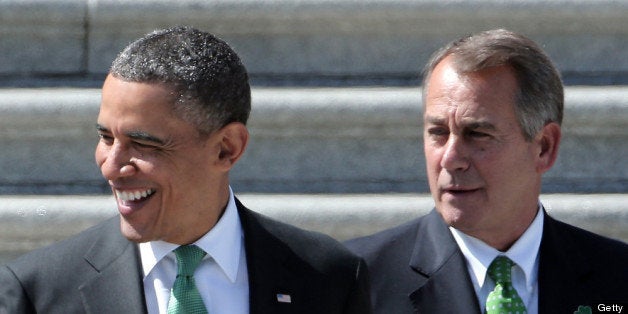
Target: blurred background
335,127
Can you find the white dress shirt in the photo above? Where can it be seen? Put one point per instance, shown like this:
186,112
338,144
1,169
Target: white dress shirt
221,277
524,252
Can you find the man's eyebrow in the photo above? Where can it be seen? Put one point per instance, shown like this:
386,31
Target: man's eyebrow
101,128
145,137
135,135
472,125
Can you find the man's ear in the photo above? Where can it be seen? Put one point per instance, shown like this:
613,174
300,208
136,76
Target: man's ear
548,140
233,140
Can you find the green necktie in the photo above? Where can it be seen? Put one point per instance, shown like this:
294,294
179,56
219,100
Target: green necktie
184,297
504,298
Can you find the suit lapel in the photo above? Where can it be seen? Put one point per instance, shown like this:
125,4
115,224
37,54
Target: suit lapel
561,268
445,286
116,286
271,268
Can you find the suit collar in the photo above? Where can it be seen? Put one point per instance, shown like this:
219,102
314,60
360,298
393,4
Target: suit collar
116,284
445,286
272,267
523,252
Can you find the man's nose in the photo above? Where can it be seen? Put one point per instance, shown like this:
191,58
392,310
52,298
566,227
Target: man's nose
455,157
117,163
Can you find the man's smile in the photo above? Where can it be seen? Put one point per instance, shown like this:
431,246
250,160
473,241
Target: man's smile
133,195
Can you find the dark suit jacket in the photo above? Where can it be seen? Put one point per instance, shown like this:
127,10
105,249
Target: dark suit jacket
418,268
99,271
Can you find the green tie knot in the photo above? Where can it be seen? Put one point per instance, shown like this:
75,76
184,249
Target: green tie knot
188,258
504,298
500,270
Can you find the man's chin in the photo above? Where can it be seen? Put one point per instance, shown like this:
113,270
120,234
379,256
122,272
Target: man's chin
455,216
132,233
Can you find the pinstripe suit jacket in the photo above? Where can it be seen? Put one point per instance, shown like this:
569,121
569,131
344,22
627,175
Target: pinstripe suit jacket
418,268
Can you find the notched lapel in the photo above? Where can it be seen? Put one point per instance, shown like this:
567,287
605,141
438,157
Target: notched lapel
117,284
447,291
447,287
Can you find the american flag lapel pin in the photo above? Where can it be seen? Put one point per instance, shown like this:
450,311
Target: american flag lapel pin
284,298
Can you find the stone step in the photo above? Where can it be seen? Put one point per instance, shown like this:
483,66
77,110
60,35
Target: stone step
305,140
302,41
28,222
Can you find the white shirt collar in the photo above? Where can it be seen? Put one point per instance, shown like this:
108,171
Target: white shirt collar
222,243
480,255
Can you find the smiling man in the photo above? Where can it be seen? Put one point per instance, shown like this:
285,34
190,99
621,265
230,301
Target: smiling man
171,126
169,178
493,107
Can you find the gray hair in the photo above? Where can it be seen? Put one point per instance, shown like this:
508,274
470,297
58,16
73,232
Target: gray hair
210,82
540,98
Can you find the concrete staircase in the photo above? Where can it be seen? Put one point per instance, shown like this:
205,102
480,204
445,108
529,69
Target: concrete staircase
336,104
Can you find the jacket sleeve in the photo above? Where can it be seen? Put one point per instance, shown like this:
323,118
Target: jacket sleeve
13,298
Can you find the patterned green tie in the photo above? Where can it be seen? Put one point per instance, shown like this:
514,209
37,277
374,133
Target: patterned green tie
504,298
184,297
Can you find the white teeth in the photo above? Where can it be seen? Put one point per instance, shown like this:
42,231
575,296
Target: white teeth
133,195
